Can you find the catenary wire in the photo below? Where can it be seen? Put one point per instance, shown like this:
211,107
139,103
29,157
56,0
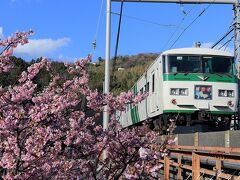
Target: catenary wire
194,20
230,29
94,43
226,43
222,38
178,27
144,20
99,19
226,46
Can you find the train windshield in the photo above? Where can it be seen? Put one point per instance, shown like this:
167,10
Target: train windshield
199,64
217,64
183,64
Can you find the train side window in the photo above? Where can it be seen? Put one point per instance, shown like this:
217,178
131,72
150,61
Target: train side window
163,64
141,90
147,89
153,82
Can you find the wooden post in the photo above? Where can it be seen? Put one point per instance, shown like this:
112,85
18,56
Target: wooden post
218,168
195,166
179,175
166,167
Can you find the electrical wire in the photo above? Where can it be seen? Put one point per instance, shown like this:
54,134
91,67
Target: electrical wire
226,43
94,43
178,26
144,20
185,29
6,48
222,38
194,20
99,19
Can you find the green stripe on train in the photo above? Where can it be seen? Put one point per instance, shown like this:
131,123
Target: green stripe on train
132,114
200,77
134,109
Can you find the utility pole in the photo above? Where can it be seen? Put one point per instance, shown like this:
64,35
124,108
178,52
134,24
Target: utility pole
107,62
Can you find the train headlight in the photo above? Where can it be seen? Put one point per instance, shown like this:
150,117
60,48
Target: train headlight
225,93
179,91
222,93
174,91
230,93
183,92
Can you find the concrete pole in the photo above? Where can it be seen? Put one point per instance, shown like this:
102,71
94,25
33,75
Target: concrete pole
107,61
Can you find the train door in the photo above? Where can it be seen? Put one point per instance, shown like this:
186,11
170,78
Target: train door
152,92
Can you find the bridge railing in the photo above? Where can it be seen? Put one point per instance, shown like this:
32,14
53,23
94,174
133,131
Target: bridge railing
219,162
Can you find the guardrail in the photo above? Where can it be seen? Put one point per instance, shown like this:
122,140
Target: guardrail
220,158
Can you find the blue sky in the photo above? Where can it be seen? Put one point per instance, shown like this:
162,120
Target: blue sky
65,29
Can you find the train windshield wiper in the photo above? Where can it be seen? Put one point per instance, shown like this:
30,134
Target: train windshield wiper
229,75
194,71
219,74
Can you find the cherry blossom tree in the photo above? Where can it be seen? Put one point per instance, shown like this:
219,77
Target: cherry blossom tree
50,134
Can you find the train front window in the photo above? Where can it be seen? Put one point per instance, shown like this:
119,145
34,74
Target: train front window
183,64
217,64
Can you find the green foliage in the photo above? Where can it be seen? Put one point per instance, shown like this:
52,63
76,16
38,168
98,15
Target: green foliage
128,70
11,78
42,79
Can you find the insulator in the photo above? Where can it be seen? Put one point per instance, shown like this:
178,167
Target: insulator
94,43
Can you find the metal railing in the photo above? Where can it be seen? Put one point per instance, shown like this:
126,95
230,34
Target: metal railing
216,160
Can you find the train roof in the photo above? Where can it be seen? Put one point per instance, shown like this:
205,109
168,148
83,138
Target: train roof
197,51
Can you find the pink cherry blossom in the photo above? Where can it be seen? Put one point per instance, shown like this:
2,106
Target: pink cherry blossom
51,135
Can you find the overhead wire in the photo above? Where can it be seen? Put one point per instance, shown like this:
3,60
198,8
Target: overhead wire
194,20
178,26
222,38
94,43
144,20
226,43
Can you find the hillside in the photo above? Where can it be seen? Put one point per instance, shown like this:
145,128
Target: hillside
127,70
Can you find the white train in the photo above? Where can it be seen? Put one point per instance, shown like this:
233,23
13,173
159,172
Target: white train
189,85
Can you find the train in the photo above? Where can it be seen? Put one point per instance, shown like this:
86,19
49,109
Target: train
189,86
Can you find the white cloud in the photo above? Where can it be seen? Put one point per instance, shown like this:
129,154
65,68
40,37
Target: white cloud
1,32
210,44
41,47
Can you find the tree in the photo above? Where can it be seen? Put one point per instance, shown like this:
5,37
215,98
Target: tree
46,134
